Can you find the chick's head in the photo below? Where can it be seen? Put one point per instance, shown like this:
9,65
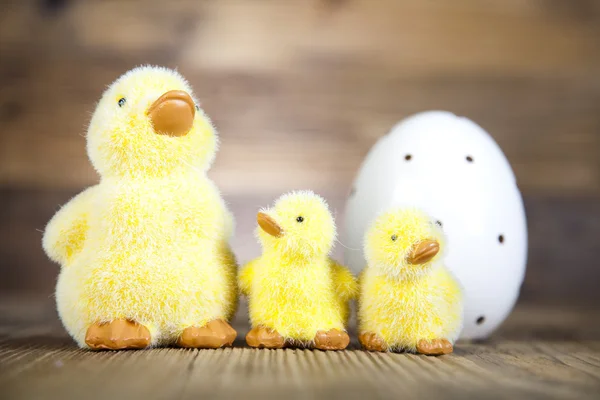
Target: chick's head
404,243
148,123
299,224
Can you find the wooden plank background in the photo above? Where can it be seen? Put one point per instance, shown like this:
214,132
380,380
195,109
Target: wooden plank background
299,91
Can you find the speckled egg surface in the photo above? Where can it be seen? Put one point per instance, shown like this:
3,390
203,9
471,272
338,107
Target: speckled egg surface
453,169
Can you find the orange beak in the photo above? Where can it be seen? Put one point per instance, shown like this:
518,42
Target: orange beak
269,225
423,252
172,113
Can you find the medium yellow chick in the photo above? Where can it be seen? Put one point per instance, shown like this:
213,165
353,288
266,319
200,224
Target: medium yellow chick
297,294
408,299
144,254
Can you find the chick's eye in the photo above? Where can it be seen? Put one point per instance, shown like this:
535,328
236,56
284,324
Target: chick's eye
299,219
197,107
394,237
122,101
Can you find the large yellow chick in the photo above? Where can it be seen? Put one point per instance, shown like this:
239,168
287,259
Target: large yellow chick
144,254
408,299
297,294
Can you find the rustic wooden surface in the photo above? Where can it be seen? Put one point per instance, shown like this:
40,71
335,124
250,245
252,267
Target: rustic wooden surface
299,91
538,353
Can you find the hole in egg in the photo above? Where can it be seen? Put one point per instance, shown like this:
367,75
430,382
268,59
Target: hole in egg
480,320
408,157
501,238
439,223
469,159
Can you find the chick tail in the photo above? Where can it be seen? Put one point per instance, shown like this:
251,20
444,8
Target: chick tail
246,276
231,269
346,285
66,232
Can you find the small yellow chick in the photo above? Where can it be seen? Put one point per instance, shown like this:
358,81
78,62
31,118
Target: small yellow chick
145,255
297,294
408,299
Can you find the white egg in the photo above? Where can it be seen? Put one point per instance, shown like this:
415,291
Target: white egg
450,167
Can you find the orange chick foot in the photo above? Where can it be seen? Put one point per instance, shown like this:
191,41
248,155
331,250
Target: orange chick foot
263,337
214,335
435,347
331,340
372,342
119,334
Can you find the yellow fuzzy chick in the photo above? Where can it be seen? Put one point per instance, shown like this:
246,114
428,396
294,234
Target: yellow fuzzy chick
144,254
408,299
297,294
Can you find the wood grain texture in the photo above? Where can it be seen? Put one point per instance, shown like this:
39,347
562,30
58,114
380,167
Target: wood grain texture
538,353
300,90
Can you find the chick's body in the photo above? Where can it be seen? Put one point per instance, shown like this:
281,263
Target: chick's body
147,258
404,312
408,299
147,246
296,297
294,288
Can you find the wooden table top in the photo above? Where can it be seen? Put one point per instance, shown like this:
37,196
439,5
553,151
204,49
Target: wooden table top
540,352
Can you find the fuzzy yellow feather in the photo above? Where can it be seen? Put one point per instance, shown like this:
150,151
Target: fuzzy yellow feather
144,254
297,294
408,299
